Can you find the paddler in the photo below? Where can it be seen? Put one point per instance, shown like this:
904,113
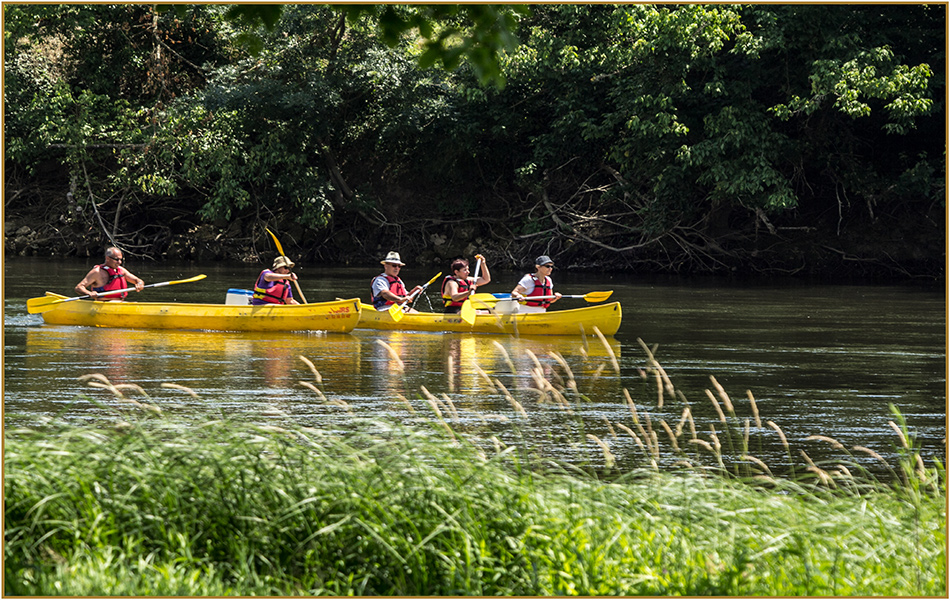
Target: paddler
537,284
273,285
387,287
458,286
110,275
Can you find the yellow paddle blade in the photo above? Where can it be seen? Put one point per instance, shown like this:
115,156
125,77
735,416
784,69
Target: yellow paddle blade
36,305
485,297
280,250
395,311
468,312
597,296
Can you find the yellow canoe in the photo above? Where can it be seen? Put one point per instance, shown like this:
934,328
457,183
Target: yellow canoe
337,316
575,321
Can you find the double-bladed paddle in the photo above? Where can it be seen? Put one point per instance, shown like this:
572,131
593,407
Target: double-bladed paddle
397,310
45,303
281,251
589,297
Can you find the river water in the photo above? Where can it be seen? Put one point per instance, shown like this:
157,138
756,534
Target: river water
818,359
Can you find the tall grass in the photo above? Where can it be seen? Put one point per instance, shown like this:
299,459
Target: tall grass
161,505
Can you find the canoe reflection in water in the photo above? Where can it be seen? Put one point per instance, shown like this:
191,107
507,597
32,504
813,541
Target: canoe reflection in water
234,371
219,365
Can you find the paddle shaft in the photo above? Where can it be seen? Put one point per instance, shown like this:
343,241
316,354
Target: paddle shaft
467,312
131,289
590,297
421,290
412,296
478,268
42,306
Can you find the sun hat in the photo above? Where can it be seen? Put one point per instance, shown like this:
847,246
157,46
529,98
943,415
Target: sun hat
283,261
544,259
392,257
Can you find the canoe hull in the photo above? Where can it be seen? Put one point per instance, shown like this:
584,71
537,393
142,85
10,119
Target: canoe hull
338,316
576,321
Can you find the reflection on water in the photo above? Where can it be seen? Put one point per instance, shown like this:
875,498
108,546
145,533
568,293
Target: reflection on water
820,360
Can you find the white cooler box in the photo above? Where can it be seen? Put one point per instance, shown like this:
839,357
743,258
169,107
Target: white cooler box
507,307
236,296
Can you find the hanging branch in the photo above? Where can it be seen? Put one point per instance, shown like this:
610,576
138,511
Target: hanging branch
92,200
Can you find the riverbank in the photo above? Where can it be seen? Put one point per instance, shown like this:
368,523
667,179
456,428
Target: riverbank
879,251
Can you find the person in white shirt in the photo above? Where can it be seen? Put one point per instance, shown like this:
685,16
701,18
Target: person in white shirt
538,285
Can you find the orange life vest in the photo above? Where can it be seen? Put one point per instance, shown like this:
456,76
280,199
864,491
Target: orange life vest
464,286
270,292
545,288
116,282
395,286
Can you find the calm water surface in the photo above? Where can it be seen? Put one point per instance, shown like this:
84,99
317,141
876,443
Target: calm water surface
819,360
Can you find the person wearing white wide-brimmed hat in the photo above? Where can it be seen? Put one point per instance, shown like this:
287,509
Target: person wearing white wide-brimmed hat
538,284
273,285
388,288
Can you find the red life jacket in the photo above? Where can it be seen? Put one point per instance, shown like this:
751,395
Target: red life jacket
271,292
395,286
545,288
116,282
464,286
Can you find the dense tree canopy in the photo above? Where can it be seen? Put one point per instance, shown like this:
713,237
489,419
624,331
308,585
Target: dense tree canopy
671,137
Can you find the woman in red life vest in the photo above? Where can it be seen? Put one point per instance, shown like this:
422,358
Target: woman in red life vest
110,275
387,287
273,285
537,284
458,286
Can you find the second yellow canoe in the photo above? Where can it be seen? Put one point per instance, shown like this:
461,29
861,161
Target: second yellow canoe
575,321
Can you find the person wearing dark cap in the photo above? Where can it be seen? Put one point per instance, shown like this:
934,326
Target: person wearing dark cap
388,288
273,285
538,285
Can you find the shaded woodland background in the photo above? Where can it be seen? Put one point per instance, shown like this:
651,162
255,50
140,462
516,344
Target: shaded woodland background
746,139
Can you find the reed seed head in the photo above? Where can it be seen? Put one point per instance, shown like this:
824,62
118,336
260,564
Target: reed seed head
823,438
175,386
715,403
313,368
393,354
781,434
610,351
755,408
900,434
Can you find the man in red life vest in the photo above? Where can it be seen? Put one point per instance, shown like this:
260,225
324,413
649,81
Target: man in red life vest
537,284
109,276
273,285
458,286
387,287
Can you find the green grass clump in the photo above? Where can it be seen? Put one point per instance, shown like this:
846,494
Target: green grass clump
167,507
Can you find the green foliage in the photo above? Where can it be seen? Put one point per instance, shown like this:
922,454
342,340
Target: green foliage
480,33
872,74
660,116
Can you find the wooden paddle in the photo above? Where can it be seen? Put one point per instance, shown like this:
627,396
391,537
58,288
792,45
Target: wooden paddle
45,303
396,311
590,297
468,311
281,251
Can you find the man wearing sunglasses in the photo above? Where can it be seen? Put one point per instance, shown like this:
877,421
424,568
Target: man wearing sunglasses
110,275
